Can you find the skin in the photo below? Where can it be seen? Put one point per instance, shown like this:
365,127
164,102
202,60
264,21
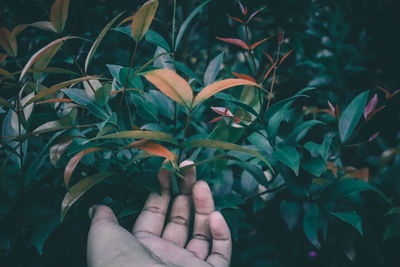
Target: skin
157,242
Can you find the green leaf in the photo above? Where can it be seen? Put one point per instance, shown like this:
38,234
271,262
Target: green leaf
43,231
185,24
148,135
102,94
351,116
351,218
186,70
98,41
315,166
227,146
76,191
311,225
5,103
300,131
156,39
238,102
395,210
79,96
213,69
290,212
324,148
142,19
344,187
392,231
289,156
255,171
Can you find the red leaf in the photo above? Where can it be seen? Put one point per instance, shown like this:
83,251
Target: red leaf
237,19
337,111
222,111
236,119
73,162
237,42
394,93
279,36
385,91
269,71
244,76
370,107
331,108
154,149
285,56
268,56
127,89
216,119
258,43
244,10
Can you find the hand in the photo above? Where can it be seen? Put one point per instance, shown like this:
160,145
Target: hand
156,243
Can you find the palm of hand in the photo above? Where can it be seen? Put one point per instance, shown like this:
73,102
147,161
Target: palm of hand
152,244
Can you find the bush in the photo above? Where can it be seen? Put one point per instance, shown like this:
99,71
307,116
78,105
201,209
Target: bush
268,101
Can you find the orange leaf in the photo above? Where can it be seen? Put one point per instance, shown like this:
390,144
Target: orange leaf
218,86
268,56
142,19
126,20
259,42
172,85
285,56
371,114
244,76
269,71
2,57
127,89
332,167
39,53
154,149
234,41
279,36
10,46
55,100
73,162
362,174
59,14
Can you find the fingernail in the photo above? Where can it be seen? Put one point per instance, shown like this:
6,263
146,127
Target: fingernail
91,211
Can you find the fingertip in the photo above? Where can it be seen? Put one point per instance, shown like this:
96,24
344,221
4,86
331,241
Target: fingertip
164,176
190,177
219,227
101,212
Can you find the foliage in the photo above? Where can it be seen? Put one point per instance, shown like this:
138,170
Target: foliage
91,105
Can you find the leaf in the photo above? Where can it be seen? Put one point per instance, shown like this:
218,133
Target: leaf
44,25
138,134
234,41
324,148
79,96
43,231
142,19
315,166
40,53
351,218
186,70
156,39
371,106
311,225
237,19
73,162
213,69
172,85
55,88
290,212
45,59
259,42
219,86
392,231
393,211
154,149
285,56
299,132
98,41
289,156
244,76
17,30
227,146
76,191
10,46
5,103
59,14
351,115
103,94
247,182
185,24
345,187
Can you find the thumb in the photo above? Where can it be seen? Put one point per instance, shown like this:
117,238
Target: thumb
102,213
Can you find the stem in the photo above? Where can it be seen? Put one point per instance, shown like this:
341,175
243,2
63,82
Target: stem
129,73
273,78
265,192
173,26
250,49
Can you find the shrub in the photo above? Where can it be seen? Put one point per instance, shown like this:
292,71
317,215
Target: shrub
288,167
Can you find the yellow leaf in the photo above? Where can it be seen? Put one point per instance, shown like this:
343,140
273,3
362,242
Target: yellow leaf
172,85
142,19
59,14
216,87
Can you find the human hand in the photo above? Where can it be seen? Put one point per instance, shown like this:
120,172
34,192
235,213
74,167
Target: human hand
154,243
